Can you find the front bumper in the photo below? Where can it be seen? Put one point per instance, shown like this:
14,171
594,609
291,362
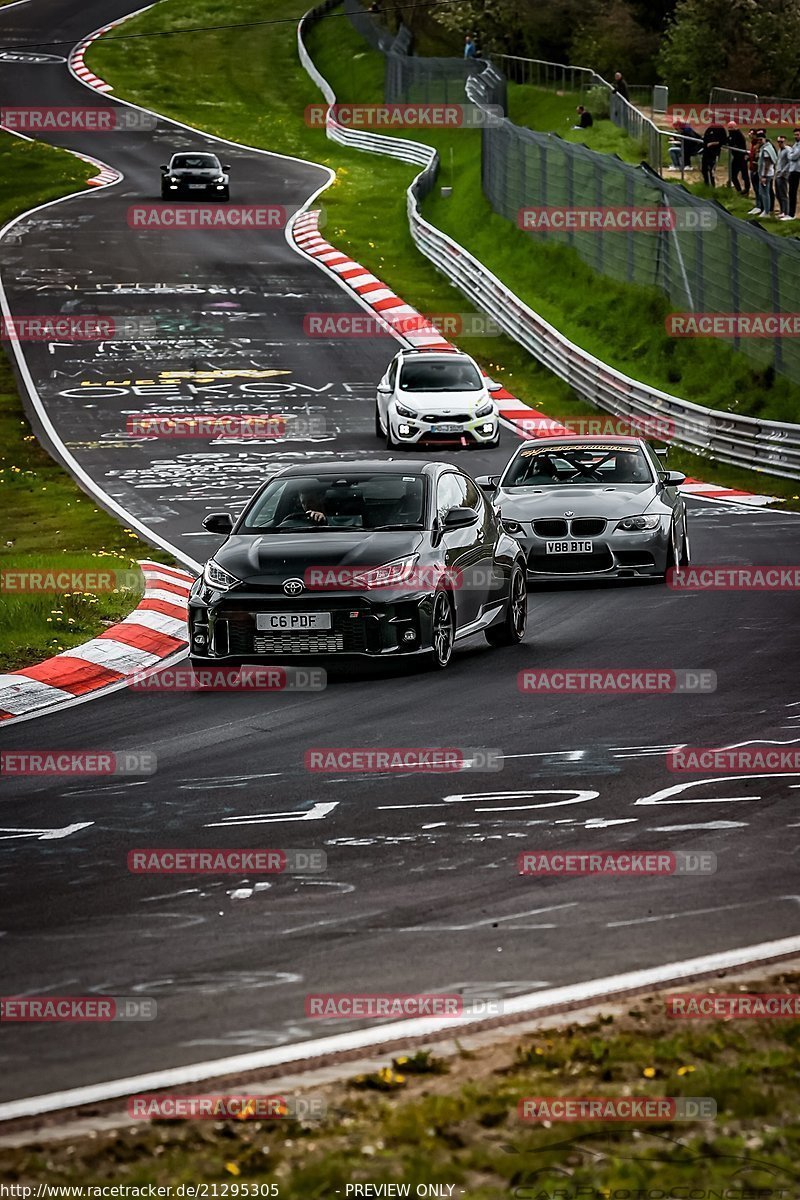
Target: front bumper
615,555
415,430
223,627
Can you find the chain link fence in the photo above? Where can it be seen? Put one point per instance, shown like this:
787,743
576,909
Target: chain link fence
706,261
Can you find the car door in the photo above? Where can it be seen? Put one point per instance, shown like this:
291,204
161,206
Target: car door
386,389
460,547
488,579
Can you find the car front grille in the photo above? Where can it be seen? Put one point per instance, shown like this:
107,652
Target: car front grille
455,419
587,526
550,528
347,636
571,564
298,643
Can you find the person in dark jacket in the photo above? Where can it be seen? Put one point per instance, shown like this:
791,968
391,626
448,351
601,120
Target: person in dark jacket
737,148
585,119
690,141
620,86
714,138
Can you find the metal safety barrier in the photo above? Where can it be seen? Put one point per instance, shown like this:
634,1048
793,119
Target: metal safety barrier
769,446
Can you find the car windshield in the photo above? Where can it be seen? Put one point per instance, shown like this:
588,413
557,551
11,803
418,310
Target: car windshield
197,161
438,375
549,466
314,503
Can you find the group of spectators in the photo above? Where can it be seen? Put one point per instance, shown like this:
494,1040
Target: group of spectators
773,171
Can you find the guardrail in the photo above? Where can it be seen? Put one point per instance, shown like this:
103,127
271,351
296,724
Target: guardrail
769,446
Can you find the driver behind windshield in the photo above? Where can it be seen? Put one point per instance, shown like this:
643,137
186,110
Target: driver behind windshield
309,505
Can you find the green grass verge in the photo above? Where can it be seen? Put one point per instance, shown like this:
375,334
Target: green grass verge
49,522
453,1121
254,92
554,112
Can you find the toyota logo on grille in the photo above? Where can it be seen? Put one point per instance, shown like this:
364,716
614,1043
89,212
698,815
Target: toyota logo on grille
293,587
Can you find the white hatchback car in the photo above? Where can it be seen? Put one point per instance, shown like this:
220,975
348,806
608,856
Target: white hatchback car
430,396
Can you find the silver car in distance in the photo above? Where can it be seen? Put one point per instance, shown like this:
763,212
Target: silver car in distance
588,508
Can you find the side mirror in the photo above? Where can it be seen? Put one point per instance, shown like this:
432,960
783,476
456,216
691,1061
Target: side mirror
384,388
226,167
218,523
460,518
494,387
163,167
487,483
672,478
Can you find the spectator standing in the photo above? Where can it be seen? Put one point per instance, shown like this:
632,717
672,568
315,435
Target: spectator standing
737,147
767,158
794,174
782,178
585,119
620,86
470,49
752,168
714,138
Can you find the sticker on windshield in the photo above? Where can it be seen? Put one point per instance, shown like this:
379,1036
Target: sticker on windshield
551,449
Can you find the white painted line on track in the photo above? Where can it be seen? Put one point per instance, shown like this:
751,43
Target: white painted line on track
571,996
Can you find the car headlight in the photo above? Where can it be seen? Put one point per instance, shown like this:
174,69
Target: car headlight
485,409
512,527
644,522
217,578
389,575
403,411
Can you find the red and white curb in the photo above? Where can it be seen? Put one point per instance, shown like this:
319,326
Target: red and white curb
76,61
374,294
154,631
106,176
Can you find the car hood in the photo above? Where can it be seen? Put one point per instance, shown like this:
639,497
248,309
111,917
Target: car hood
273,557
443,402
528,504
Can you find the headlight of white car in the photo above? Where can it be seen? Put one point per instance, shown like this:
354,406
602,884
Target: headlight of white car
403,411
628,524
485,409
216,577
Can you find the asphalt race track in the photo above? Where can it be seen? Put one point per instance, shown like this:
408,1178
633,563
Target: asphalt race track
422,892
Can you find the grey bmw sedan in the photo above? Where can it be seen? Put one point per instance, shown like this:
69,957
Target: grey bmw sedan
592,507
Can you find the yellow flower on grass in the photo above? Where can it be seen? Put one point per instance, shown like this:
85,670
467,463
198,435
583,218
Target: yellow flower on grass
686,1070
233,1168
649,1072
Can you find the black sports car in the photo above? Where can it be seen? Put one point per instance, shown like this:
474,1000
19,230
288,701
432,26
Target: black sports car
195,175
382,560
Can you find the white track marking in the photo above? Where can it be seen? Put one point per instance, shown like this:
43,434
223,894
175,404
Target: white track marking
573,995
